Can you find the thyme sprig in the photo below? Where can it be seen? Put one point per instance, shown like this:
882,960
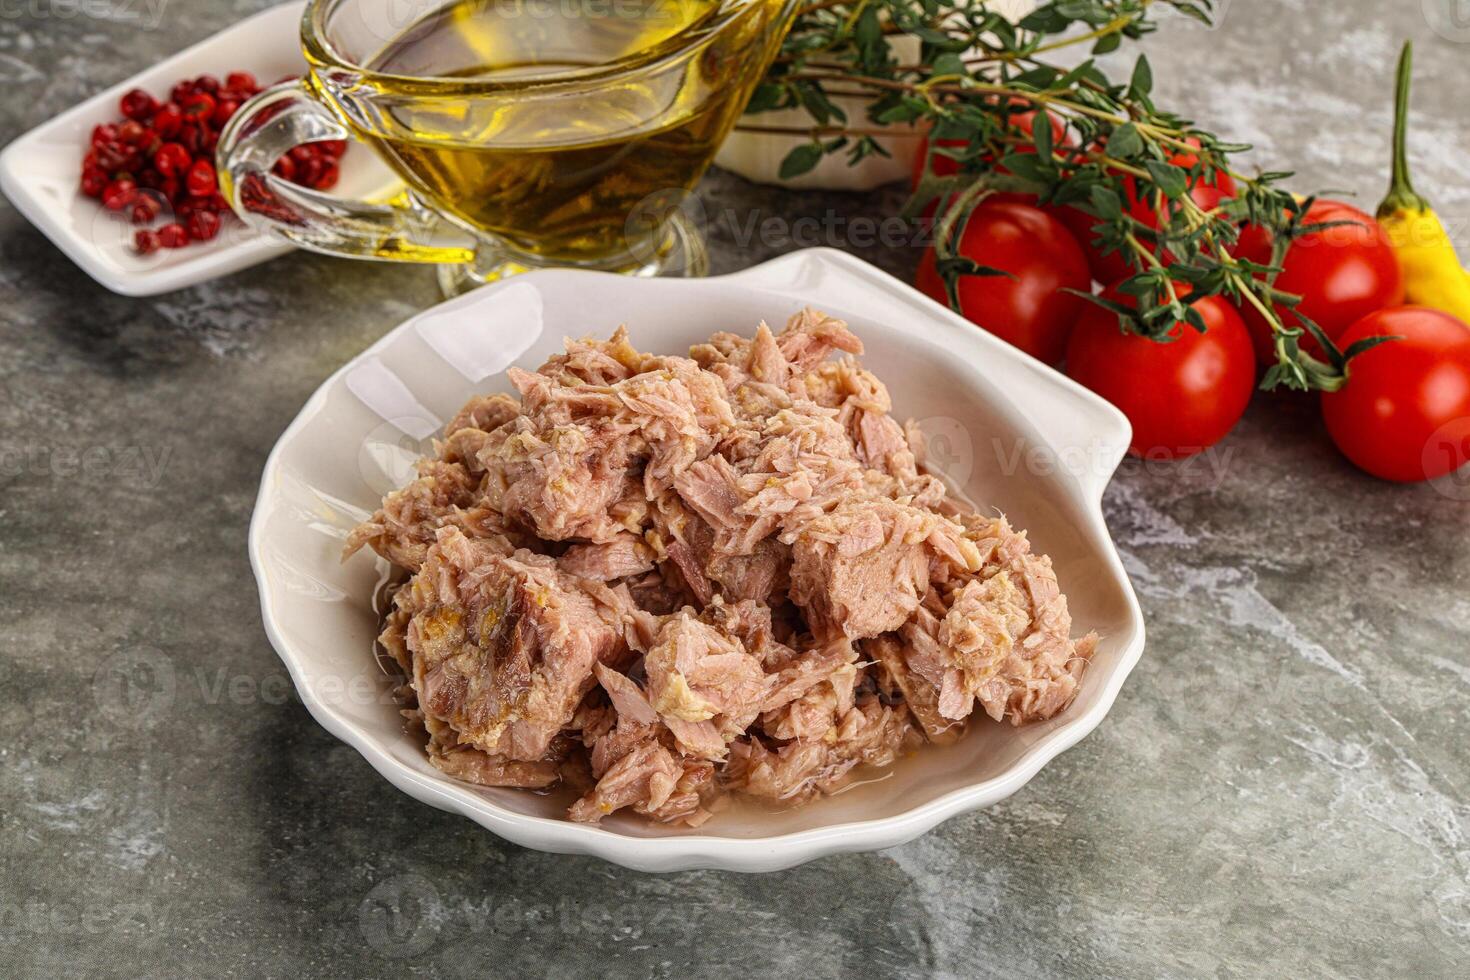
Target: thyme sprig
977,76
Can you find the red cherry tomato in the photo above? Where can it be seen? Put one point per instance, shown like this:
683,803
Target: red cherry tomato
1027,308
1404,413
1341,273
1182,396
1255,243
1109,267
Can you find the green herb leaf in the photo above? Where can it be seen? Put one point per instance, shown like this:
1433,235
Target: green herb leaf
869,29
1041,136
1142,81
1171,180
1125,141
815,101
1193,10
766,96
1366,344
903,112
949,63
801,159
1106,202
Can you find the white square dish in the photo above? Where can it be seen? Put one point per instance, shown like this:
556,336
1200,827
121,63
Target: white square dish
1013,434
40,171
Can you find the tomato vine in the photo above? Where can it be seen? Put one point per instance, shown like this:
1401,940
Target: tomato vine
976,73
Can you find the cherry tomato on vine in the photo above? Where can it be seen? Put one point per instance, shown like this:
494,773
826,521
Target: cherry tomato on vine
1027,308
1182,395
1404,413
1342,274
1109,267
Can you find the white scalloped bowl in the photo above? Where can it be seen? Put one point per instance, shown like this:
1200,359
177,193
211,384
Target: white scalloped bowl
1012,433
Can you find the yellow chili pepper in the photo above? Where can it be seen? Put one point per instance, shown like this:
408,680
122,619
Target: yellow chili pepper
1433,275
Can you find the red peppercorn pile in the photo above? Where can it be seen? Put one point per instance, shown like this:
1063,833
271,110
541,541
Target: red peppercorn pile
160,157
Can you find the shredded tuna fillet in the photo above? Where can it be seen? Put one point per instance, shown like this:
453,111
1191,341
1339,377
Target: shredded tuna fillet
484,413
704,685
656,580
1001,637
627,698
869,734
596,362
861,568
625,555
503,647
444,495
453,758
645,777
906,685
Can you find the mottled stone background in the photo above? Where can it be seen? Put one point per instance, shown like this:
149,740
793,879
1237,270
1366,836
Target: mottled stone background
1280,789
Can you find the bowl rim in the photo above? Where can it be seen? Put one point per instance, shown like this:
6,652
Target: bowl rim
687,851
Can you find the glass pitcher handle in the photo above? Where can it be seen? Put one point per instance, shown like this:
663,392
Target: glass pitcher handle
285,116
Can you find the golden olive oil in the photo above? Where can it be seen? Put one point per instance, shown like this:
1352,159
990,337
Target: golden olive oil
546,122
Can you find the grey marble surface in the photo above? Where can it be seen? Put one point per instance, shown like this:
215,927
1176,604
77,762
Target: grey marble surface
1281,788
